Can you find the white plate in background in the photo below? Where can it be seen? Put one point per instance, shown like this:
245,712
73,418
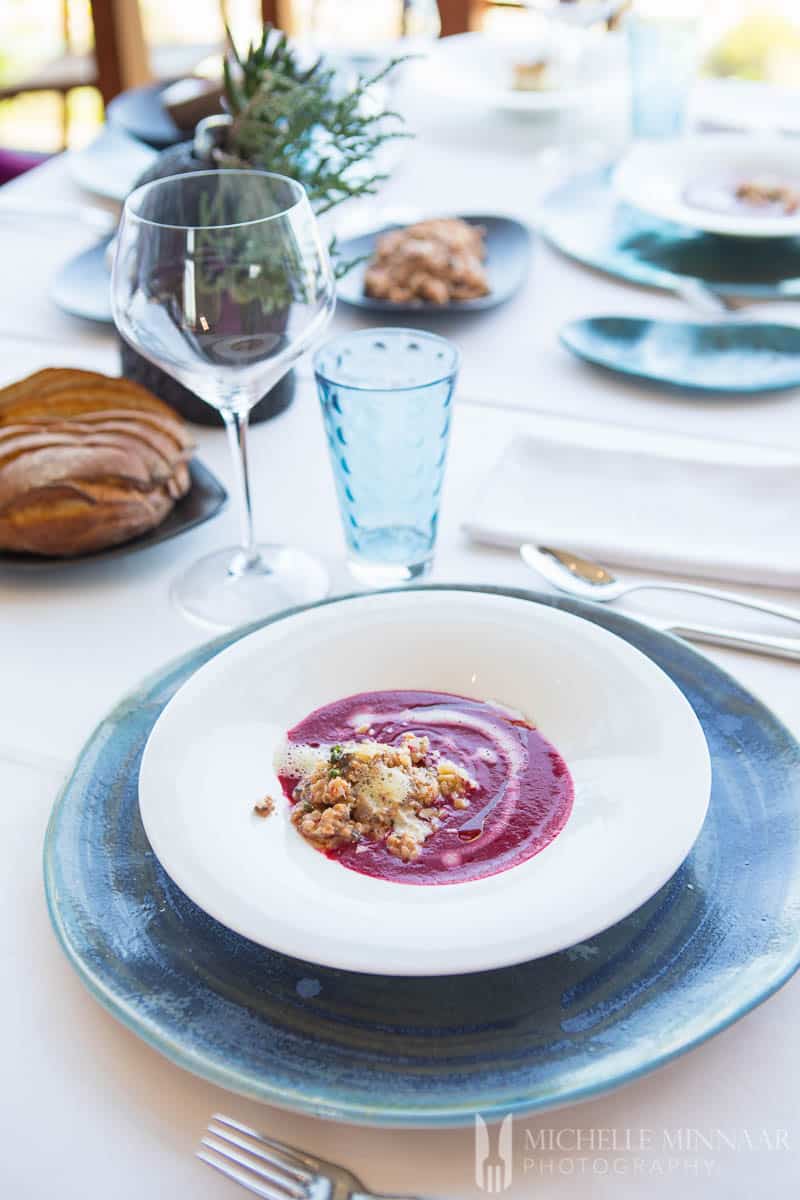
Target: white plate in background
111,165
477,69
654,177
746,104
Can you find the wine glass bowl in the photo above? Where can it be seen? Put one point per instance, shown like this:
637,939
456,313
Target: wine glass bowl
578,12
220,278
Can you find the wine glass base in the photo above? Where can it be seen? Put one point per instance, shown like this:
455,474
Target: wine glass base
386,575
281,577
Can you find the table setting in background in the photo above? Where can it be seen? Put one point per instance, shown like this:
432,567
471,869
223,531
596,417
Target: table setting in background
398,502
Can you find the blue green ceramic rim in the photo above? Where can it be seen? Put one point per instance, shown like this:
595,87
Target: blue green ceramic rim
637,272
298,1100
566,339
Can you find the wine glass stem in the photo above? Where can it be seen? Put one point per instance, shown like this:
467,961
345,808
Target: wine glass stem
236,429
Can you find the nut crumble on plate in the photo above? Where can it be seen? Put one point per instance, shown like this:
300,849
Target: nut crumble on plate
370,790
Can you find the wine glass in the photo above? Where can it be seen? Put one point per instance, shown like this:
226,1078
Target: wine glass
578,12
574,152
367,33
220,278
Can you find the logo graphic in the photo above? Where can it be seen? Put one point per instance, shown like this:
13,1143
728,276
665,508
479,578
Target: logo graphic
493,1164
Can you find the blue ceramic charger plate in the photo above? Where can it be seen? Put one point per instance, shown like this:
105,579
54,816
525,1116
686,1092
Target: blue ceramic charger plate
82,286
584,219
726,358
718,938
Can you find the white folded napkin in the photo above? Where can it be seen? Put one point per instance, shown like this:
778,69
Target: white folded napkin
718,510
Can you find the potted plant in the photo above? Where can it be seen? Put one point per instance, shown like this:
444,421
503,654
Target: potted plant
293,119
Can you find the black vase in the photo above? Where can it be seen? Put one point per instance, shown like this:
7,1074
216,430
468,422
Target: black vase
187,403
184,159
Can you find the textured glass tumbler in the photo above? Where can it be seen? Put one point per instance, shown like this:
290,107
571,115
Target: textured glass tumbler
663,58
386,398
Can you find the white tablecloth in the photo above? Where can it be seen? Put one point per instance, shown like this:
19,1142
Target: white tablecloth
90,1111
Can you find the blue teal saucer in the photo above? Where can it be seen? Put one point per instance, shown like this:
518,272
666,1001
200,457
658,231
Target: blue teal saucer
726,357
585,219
720,936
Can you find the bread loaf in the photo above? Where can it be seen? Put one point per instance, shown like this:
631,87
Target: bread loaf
86,461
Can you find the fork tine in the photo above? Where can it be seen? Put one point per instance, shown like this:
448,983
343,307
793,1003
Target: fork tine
277,1188
290,1180
297,1162
245,1178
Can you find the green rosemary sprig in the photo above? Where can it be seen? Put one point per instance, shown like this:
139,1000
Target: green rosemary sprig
295,120
273,53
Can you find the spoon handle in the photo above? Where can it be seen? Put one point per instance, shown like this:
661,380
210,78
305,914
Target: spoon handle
751,602
755,643
704,298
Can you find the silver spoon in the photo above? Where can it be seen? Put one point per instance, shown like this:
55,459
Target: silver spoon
579,577
711,302
708,300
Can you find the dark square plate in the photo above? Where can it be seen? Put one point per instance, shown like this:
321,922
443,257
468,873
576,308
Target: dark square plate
141,113
508,249
205,498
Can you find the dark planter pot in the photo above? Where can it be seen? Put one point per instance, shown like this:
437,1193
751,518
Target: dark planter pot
182,160
187,403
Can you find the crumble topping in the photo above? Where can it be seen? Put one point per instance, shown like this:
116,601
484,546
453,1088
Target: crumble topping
438,261
264,807
531,76
369,790
760,193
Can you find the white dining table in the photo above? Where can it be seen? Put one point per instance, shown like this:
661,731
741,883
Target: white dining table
88,1111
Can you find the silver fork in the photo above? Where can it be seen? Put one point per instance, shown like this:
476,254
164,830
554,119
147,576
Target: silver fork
707,299
275,1171
724,306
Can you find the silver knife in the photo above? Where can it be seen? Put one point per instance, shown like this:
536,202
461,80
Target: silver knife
755,643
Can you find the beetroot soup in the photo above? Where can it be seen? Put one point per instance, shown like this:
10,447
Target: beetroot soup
423,787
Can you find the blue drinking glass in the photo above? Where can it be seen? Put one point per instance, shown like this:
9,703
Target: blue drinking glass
663,58
386,398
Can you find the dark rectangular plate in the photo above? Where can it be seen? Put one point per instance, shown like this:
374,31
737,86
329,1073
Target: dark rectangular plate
205,498
140,112
508,249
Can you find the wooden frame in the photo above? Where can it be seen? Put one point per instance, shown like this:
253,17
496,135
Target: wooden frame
119,46
121,55
455,16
